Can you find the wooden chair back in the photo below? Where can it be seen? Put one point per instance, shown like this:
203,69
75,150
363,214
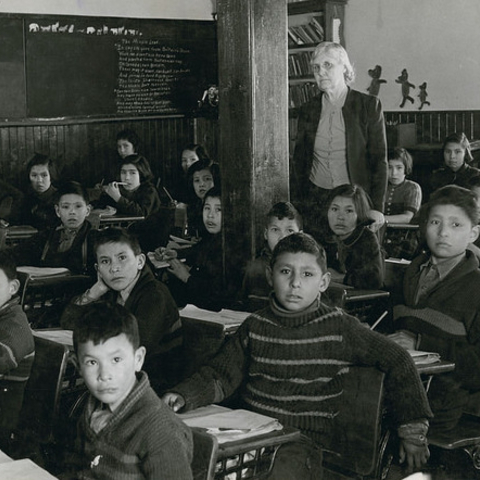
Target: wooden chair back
354,446
44,299
205,448
40,410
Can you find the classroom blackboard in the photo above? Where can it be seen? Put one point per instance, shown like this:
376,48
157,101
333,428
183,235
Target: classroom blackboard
72,66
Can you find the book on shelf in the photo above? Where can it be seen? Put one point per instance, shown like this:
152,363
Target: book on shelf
229,425
43,272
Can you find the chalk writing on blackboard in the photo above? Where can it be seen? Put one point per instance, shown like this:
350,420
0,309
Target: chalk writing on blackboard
149,73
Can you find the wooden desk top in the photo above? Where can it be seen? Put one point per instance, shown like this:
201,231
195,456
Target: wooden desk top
443,366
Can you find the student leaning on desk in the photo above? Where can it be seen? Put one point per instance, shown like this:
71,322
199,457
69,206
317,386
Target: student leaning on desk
288,360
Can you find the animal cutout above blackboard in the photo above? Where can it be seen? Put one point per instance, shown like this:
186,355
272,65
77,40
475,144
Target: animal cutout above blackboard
406,86
374,87
423,95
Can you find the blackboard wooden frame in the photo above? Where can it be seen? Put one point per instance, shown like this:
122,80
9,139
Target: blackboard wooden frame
64,68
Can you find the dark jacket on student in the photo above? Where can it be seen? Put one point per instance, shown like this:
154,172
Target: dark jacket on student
38,209
17,352
359,257
447,321
142,202
159,326
205,287
10,202
365,145
42,250
446,176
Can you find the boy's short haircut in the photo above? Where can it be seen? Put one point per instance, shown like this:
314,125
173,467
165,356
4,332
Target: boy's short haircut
116,235
130,136
141,164
400,153
8,264
102,321
300,242
283,210
214,192
40,159
459,197
71,188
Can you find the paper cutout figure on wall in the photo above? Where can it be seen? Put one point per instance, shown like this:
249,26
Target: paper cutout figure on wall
208,105
374,87
423,95
406,86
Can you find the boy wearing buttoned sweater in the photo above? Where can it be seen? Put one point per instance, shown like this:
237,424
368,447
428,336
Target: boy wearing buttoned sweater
288,360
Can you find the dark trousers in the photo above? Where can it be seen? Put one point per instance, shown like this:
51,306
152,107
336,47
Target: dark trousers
300,460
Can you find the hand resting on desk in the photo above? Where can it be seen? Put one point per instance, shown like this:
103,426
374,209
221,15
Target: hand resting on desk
174,400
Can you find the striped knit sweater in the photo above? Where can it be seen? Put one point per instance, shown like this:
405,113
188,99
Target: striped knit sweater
17,352
290,366
143,439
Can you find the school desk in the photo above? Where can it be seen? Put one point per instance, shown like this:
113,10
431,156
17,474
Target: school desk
16,234
123,221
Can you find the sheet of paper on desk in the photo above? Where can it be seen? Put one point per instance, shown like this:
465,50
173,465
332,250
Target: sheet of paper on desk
43,272
22,470
233,425
424,358
229,318
158,264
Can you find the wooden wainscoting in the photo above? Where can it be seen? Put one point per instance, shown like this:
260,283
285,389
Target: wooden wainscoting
85,149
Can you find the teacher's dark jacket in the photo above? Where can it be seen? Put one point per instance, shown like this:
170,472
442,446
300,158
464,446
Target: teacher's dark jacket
366,146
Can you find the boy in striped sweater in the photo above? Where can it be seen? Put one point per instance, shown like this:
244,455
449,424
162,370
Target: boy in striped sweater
17,349
288,360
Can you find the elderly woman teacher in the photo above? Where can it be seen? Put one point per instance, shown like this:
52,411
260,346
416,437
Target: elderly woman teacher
340,139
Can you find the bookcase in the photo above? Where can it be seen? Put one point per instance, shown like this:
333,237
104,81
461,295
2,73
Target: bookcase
309,22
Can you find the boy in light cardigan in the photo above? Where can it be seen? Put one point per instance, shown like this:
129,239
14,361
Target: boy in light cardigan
288,360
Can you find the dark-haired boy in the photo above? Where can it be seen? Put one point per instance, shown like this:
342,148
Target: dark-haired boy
123,277
69,245
17,349
442,305
288,360
125,431
282,219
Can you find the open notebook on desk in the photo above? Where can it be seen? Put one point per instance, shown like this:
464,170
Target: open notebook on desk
424,358
22,470
229,425
230,319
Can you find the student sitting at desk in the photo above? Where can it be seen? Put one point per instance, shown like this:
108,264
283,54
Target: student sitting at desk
123,277
288,359
353,251
125,430
200,280
38,206
201,177
71,244
282,219
135,194
403,201
16,349
442,306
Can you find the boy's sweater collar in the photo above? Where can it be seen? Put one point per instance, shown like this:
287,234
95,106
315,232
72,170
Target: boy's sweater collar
11,303
297,319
